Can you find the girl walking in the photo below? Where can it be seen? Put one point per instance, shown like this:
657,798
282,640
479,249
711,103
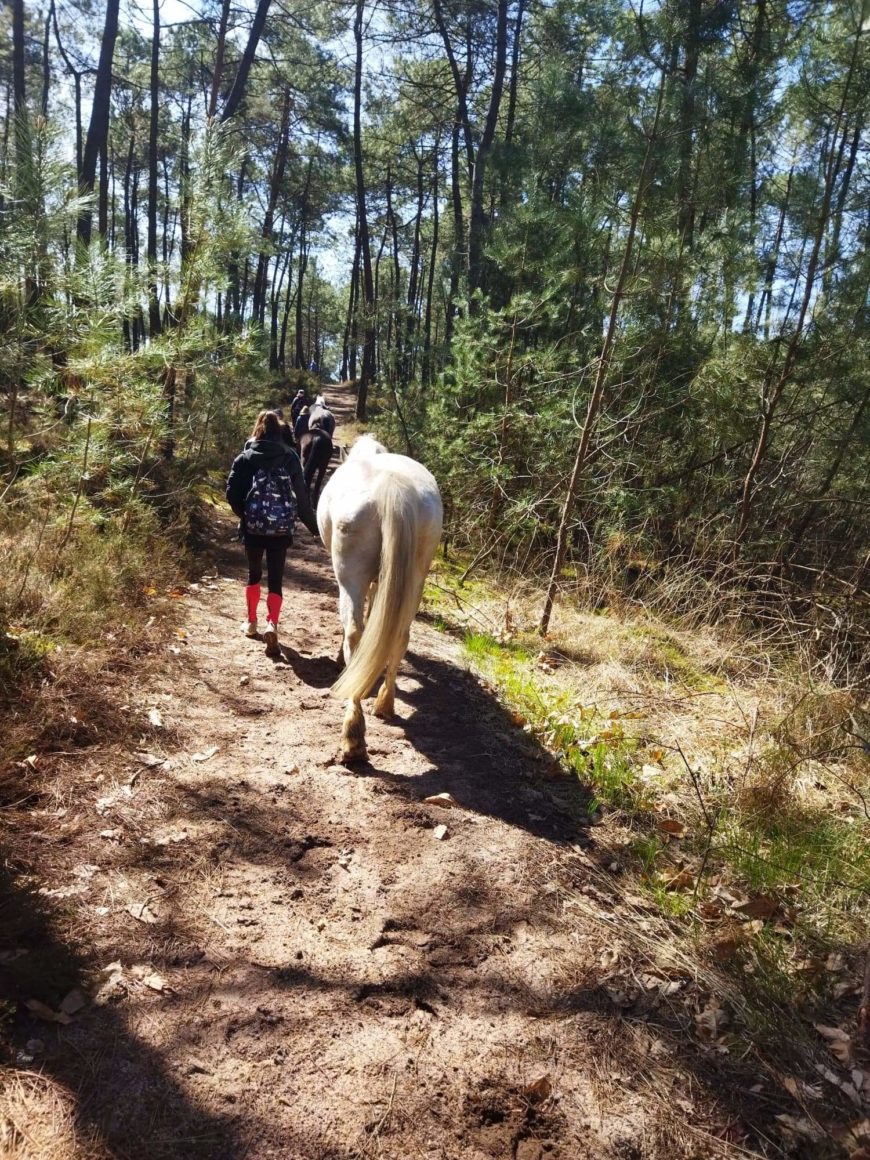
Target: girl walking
266,490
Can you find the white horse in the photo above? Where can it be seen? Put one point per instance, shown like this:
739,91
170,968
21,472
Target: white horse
380,517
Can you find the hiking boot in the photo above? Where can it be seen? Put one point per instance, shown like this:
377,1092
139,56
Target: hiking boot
270,636
249,628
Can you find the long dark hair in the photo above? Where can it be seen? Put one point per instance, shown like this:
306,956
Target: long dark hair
267,426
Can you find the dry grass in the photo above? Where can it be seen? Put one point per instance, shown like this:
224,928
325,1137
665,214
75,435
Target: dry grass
37,1119
752,764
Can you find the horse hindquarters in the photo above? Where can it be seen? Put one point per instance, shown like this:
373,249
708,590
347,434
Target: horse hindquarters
397,594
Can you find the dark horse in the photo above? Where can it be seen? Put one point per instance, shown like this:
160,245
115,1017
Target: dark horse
316,449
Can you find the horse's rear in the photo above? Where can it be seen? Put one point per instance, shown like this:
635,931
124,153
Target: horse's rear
315,448
380,516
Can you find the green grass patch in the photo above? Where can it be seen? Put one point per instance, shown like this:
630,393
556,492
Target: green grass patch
594,748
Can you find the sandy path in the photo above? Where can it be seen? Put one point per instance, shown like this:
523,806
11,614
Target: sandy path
336,981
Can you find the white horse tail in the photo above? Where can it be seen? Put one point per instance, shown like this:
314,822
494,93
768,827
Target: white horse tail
396,598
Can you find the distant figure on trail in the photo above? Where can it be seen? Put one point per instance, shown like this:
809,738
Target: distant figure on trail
321,416
300,427
266,490
316,451
300,400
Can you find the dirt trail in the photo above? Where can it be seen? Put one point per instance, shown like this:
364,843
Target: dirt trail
333,980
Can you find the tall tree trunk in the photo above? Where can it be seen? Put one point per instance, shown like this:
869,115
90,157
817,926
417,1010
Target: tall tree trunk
46,62
478,219
510,118
812,508
460,83
77,85
274,301
127,325
413,282
775,383
304,246
369,339
688,75
279,165
833,254
299,359
765,302
459,253
98,128
19,92
103,194
217,76
433,261
351,306
236,93
288,302
394,322
153,300
595,399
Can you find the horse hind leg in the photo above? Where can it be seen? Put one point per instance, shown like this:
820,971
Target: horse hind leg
353,734
353,730
350,610
385,704
386,699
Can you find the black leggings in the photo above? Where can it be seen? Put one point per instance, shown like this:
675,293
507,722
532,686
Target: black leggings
275,548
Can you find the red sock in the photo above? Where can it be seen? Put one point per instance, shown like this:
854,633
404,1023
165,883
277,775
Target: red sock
273,606
252,596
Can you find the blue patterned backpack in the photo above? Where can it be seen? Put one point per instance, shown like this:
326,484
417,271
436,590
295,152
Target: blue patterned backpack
270,505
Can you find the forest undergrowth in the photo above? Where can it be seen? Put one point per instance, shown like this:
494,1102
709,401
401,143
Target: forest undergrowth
730,793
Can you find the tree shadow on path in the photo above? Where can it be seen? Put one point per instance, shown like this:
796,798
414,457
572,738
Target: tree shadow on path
125,1098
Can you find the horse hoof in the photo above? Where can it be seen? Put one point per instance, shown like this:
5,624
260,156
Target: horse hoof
385,712
354,756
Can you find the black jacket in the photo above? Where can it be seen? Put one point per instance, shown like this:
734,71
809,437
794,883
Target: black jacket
268,453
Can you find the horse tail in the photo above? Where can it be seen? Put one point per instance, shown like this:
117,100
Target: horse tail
396,599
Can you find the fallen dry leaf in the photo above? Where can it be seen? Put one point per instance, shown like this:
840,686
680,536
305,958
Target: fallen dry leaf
441,799
762,906
671,826
149,759
839,1043
801,1090
848,1089
440,832
43,1011
621,992
74,1001
156,718
539,1091
151,979
205,755
725,948
679,881
799,1126
609,956
171,836
711,1020
142,912
109,985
